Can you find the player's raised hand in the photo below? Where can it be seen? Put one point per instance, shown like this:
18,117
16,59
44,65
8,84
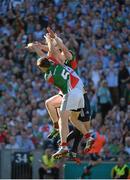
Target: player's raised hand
32,46
51,32
47,37
38,45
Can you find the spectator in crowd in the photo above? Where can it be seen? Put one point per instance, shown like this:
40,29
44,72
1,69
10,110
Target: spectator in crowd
112,80
127,93
4,136
96,75
121,170
48,165
104,98
123,78
38,33
127,145
12,143
127,119
122,104
24,142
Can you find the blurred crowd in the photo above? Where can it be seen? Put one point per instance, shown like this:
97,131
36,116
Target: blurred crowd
99,32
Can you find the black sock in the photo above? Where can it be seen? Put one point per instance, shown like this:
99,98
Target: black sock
70,136
77,138
89,166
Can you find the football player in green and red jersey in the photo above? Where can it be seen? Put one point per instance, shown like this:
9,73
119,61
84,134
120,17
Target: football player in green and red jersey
71,86
54,102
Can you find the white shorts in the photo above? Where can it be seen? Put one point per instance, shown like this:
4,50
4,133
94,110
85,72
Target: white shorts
73,100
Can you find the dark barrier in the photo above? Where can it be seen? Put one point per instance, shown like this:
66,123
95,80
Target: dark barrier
21,165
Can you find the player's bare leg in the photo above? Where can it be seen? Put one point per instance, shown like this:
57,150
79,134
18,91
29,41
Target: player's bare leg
84,128
63,125
87,125
51,105
64,131
78,124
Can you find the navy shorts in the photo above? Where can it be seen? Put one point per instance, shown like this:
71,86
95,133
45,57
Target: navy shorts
85,114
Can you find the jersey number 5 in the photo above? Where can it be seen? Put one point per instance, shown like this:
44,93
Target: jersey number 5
64,74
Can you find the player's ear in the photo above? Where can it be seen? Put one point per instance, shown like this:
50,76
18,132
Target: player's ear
38,63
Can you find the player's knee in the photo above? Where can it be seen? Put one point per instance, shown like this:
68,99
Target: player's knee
48,103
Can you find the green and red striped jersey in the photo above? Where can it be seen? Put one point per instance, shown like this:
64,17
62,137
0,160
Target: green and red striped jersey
63,77
73,63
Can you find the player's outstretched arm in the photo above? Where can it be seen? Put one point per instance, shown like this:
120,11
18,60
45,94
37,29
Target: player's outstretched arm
60,44
53,51
35,47
65,50
44,48
49,40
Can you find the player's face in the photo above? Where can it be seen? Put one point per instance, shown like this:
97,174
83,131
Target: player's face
43,69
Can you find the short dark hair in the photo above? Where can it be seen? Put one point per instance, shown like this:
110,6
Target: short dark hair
43,62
